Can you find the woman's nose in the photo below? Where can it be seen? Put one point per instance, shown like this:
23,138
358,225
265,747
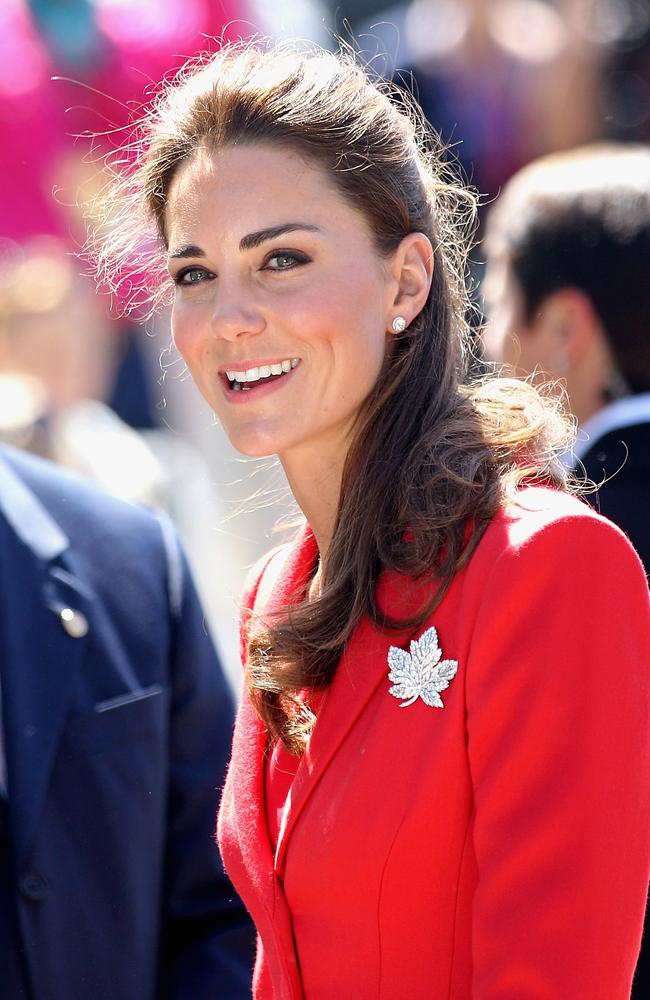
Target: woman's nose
235,315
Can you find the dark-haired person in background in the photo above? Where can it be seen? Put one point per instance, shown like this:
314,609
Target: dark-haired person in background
567,291
114,734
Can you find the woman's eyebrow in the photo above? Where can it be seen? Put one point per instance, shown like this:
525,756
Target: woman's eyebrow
248,242
255,239
187,250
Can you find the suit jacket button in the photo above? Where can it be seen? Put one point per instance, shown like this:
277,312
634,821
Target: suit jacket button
74,622
34,887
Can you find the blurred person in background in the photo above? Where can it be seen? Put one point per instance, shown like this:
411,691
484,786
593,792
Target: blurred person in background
567,292
624,30
114,735
58,360
58,353
502,81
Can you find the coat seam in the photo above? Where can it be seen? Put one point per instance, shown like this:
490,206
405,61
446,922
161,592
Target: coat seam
461,862
379,896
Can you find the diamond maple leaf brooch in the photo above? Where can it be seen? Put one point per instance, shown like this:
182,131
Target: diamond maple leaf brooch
421,673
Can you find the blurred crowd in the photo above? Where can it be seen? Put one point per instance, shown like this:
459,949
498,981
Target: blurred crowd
504,82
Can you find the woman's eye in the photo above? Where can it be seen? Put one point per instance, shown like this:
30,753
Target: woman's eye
284,261
191,276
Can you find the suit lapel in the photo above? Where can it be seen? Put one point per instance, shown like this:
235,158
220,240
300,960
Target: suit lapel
40,659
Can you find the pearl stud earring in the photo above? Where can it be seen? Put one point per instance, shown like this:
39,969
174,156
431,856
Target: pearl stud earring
399,324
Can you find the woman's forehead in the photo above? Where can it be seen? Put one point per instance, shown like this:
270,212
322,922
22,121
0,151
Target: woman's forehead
237,165
254,186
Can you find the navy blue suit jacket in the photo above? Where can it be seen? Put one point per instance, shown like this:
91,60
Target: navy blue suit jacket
116,746
619,460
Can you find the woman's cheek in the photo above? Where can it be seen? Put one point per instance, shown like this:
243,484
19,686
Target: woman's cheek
184,333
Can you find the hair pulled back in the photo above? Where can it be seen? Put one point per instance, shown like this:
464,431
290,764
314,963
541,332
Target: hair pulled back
433,453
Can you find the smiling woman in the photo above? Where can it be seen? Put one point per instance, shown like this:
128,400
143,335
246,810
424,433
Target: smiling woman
256,289
492,840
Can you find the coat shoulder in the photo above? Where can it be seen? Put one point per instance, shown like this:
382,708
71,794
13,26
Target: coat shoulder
537,510
553,531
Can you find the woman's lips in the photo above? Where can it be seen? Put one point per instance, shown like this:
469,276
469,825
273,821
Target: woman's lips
260,383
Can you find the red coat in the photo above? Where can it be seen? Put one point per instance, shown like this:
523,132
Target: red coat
496,848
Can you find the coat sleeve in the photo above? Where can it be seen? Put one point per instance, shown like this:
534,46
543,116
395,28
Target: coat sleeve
208,940
558,695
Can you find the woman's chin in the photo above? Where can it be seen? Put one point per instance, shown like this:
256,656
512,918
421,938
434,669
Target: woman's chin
256,452
253,445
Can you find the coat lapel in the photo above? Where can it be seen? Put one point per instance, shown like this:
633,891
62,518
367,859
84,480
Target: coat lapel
250,745
359,673
243,831
40,658
243,834
363,669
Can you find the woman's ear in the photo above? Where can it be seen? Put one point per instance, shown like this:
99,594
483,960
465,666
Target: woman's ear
411,268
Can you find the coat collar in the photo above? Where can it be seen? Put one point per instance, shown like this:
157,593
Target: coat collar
289,569
622,413
40,659
27,517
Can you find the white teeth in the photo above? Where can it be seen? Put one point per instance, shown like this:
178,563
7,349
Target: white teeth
264,371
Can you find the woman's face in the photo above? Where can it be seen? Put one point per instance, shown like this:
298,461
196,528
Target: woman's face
282,303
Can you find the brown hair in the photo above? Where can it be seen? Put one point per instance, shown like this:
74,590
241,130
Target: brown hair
433,453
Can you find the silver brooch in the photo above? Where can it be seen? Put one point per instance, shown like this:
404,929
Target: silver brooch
420,673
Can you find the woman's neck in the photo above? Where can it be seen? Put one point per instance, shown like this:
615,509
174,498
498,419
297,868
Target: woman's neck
315,481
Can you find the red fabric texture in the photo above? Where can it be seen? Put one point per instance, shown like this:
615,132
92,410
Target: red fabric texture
497,848
281,769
